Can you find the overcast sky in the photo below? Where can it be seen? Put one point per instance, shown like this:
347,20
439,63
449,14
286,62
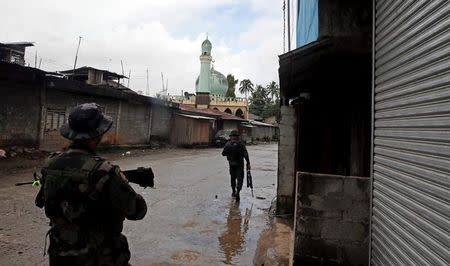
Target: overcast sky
161,35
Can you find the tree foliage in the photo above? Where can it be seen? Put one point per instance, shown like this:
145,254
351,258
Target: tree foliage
265,101
232,82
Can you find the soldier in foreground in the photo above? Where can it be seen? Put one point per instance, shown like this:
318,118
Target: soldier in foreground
87,198
236,152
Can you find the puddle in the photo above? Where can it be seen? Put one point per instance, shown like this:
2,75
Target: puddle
232,240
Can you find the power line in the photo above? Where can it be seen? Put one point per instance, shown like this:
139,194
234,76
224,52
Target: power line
284,26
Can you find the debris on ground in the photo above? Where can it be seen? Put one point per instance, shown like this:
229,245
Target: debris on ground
2,153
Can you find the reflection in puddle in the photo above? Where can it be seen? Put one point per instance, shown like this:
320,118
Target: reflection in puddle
232,240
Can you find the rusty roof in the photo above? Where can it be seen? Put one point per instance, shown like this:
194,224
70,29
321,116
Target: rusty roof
210,112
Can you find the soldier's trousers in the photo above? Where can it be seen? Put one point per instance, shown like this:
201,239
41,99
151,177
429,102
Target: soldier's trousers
237,174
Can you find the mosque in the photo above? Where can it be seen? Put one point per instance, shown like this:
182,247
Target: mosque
211,87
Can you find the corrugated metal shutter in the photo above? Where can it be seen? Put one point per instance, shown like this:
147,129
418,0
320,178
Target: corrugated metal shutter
411,164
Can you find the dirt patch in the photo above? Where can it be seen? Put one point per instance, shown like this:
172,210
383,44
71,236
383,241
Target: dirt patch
190,224
186,256
274,245
20,164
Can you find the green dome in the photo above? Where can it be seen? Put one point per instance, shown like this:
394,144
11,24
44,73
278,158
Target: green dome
219,83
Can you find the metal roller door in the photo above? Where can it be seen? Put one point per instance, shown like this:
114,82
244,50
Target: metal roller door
410,222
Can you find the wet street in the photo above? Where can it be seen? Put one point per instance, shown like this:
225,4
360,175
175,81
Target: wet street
192,219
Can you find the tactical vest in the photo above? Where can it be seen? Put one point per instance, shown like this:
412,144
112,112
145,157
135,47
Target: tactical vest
236,153
69,192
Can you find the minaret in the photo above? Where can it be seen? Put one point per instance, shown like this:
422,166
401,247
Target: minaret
202,99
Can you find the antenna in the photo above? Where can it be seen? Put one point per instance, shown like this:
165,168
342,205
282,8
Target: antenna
35,59
148,88
40,61
167,86
289,24
162,81
129,77
76,56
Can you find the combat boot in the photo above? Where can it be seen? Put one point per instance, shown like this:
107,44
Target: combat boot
233,194
237,196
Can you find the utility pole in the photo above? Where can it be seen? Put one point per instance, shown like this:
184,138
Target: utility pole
147,88
123,74
167,86
289,24
129,77
162,81
76,56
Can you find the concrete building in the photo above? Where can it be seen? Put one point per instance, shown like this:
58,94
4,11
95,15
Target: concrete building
324,152
365,111
211,87
97,77
14,52
35,105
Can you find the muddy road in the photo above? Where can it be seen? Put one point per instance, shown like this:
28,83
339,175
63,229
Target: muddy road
192,219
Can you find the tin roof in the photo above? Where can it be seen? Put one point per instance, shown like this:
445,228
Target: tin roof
210,112
197,117
84,71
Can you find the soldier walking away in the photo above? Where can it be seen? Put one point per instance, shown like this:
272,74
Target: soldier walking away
236,153
86,198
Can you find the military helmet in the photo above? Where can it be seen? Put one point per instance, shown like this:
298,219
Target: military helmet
86,121
234,133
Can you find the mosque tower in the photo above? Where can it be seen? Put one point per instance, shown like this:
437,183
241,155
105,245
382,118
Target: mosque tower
204,80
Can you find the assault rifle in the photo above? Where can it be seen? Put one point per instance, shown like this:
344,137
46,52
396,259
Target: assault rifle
143,176
250,181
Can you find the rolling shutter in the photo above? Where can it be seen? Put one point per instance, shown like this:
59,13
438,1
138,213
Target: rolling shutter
411,164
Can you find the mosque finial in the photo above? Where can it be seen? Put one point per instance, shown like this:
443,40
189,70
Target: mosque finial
207,35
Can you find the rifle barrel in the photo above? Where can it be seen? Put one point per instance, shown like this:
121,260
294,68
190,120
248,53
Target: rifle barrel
24,183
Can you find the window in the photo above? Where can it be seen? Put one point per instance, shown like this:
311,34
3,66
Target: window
55,118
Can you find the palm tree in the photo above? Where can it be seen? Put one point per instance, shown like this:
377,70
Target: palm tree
273,90
246,86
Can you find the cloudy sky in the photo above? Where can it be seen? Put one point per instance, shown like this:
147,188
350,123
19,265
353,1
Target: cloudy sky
161,35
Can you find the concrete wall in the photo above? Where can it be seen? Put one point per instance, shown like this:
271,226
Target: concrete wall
134,122
332,219
19,114
65,101
264,133
286,160
161,123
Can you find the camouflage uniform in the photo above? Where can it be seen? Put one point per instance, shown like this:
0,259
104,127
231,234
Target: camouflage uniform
87,200
236,152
